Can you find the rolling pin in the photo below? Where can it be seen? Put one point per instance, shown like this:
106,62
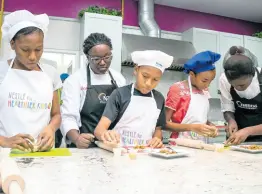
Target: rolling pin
209,147
106,146
12,181
198,144
188,143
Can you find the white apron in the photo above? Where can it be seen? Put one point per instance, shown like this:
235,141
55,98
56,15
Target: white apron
25,102
138,123
196,114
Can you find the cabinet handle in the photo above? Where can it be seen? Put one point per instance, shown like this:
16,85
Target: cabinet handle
218,92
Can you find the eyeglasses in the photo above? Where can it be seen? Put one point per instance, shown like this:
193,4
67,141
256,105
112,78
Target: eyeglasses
97,60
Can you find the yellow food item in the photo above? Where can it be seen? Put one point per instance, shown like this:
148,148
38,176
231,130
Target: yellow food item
252,147
167,151
139,147
132,156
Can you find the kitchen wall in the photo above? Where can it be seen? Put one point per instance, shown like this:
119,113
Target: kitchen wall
168,18
181,21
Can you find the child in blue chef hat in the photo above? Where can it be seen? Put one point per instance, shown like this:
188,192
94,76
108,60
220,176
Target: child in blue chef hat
64,76
187,103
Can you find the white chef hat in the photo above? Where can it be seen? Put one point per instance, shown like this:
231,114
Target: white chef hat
153,58
20,19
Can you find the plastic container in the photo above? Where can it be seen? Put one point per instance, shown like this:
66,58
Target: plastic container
117,152
132,154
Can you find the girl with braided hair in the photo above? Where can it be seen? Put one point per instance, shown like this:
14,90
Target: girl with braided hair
85,93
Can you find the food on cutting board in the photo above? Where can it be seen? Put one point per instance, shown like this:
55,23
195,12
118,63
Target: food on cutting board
252,147
167,151
139,147
18,151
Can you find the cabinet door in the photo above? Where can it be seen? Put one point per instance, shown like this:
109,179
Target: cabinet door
226,40
255,46
110,26
208,40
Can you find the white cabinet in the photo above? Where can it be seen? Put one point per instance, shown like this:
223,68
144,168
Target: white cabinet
202,39
255,46
63,35
218,42
226,41
110,26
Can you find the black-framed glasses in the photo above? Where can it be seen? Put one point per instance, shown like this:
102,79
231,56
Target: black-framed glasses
97,60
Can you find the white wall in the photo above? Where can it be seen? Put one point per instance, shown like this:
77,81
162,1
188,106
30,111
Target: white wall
64,36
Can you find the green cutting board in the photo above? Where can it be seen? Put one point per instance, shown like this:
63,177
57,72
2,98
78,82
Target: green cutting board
52,152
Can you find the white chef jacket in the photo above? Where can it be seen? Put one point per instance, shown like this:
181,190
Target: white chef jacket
74,94
226,99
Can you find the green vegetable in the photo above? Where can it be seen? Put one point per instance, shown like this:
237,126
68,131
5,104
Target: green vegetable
100,10
257,34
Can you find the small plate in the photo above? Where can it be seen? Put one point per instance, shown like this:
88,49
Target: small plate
238,148
251,143
179,154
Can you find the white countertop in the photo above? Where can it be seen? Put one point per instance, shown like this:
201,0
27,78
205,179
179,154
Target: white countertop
95,171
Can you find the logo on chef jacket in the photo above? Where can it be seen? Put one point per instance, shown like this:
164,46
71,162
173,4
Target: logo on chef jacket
103,98
246,106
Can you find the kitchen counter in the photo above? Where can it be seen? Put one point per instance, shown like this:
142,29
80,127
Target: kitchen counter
95,171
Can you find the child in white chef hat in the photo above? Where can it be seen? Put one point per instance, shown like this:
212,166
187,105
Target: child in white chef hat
136,111
29,105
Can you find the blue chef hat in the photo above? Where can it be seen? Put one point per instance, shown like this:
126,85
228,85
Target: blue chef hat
201,62
63,76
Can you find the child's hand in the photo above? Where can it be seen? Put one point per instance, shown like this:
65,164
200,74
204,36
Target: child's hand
46,138
205,130
84,140
215,134
19,141
110,136
156,143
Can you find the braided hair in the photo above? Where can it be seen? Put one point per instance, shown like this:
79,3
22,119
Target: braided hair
239,62
26,31
96,39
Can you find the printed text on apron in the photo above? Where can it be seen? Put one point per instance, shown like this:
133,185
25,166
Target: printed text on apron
25,101
138,123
